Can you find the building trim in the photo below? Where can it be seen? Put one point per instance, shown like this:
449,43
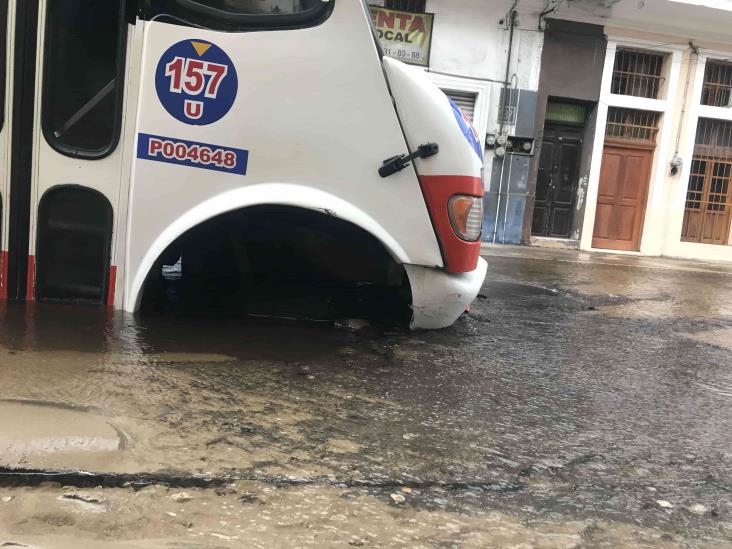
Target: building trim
628,42
718,113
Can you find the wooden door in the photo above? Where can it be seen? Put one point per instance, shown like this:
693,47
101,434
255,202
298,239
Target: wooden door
708,210
621,201
556,184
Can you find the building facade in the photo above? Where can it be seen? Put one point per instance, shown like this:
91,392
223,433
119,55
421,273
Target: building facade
608,125
487,57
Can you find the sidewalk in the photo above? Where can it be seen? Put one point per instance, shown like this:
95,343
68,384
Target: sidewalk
603,258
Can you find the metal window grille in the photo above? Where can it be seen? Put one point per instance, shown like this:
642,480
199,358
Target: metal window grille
637,73
417,6
464,100
717,90
631,126
708,210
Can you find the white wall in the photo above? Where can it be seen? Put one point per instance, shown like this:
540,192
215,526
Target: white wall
471,40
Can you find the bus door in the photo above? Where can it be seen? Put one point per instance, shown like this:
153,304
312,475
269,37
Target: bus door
64,148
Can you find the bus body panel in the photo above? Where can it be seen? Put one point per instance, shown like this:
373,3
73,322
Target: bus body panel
5,151
312,110
440,296
311,120
428,115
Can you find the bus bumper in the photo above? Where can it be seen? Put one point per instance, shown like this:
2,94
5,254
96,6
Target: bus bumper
439,298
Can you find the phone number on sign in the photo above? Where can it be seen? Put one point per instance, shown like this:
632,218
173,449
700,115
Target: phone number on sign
404,54
197,154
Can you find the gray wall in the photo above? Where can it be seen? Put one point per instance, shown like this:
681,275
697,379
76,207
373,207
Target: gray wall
571,68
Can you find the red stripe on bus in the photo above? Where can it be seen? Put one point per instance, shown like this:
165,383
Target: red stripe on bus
112,285
3,276
31,280
459,256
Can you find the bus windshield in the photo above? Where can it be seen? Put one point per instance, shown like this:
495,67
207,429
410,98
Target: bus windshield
240,15
252,7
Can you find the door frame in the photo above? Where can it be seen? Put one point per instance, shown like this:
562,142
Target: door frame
654,239
6,80
24,50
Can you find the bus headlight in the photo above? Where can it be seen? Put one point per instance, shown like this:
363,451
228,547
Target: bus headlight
466,216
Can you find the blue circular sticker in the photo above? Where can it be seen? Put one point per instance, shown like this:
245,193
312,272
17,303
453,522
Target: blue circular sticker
196,82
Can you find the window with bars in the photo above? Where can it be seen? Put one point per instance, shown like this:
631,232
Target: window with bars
406,5
637,73
717,89
708,210
631,126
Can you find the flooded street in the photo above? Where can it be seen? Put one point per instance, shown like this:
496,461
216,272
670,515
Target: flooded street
583,402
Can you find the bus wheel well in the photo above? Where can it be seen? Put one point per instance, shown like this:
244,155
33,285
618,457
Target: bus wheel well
279,261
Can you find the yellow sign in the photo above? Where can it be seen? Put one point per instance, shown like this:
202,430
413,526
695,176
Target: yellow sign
404,35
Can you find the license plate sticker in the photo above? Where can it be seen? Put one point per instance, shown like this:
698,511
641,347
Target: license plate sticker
192,154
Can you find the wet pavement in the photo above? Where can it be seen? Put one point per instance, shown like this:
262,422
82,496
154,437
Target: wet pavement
584,401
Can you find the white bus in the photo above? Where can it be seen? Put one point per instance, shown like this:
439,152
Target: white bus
227,151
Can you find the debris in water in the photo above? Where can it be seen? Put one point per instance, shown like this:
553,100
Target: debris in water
698,509
352,324
248,498
227,490
663,504
181,497
86,497
398,498
223,537
85,501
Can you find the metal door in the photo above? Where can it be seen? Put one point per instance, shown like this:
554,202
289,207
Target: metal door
557,182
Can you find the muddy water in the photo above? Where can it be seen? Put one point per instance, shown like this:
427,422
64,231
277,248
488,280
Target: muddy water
176,387
251,514
573,392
